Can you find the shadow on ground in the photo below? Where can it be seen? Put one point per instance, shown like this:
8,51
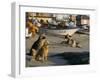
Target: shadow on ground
73,58
66,58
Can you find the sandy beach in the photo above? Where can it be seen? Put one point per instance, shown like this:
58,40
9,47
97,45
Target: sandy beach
61,54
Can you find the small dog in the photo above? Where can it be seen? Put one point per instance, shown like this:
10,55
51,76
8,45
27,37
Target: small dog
42,54
70,41
32,28
37,45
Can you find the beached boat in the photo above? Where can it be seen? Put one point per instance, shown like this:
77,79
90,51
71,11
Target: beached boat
62,31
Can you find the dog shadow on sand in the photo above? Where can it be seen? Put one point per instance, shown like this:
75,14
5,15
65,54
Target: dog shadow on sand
66,58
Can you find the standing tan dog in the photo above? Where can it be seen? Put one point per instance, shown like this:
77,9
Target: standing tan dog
42,54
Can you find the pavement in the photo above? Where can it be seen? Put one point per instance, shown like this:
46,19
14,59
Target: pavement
61,54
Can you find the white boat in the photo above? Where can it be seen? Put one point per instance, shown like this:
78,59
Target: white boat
62,31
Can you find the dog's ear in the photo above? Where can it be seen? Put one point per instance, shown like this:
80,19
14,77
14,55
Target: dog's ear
42,36
46,42
70,36
66,36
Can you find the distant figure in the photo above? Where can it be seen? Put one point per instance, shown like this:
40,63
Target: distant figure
71,24
36,22
47,22
42,23
66,24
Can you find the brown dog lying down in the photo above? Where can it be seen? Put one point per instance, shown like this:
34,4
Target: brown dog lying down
42,54
31,28
71,42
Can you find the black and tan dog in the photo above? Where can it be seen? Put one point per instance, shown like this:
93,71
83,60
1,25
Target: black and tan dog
71,42
37,45
42,54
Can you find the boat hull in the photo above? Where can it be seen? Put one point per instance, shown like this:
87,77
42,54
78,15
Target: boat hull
62,32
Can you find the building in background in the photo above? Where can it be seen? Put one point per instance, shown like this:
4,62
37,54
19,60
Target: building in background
82,20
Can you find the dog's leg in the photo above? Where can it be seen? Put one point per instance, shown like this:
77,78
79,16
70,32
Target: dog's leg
73,43
45,58
33,54
78,45
37,57
42,58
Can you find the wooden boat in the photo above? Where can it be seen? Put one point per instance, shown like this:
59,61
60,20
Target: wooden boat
62,31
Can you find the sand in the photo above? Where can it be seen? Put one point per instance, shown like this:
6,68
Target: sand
58,51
